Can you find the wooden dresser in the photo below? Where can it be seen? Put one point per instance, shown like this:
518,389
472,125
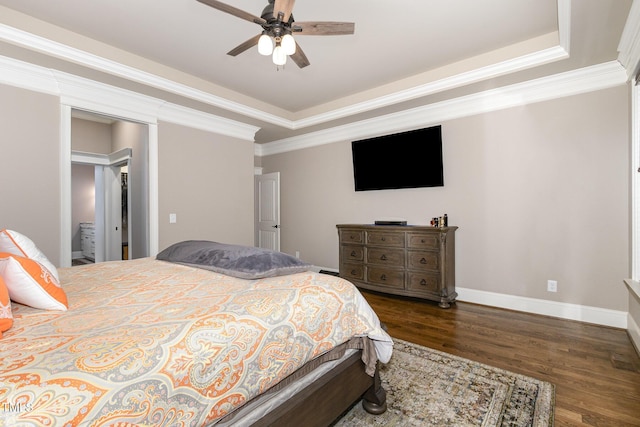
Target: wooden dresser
415,261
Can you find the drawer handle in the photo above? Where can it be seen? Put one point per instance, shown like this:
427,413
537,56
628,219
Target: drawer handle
423,282
383,277
353,272
423,261
383,257
383,239
353,253
423,241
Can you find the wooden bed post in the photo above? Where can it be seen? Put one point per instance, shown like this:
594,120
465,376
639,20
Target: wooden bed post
374,400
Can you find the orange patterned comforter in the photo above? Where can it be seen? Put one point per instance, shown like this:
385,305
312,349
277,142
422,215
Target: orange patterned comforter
147,342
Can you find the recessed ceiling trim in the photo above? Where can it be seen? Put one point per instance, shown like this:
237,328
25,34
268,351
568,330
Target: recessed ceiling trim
629,47
517,64
26,76
178,114
51,48
68,53
596,77
84,94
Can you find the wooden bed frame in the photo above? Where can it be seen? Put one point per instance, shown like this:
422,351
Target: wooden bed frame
323,401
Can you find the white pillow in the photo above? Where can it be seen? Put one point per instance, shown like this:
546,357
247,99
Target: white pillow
30,283
18,244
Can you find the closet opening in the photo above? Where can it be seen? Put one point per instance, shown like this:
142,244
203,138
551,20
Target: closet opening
109,188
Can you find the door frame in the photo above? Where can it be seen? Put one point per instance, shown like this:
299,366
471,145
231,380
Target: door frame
66,232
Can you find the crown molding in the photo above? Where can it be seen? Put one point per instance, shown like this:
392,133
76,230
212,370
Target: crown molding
84,94
68,53
51,48
569,83
196,119
517,64
524,62
26,76
629,47
89,95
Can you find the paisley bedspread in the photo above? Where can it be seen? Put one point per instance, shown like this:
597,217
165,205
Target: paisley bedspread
150,343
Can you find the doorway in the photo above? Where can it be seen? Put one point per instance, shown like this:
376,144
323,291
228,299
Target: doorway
109,186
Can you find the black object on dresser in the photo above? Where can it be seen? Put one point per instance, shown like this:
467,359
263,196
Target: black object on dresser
415,261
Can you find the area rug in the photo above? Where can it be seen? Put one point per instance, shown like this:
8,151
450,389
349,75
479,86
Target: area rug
426,387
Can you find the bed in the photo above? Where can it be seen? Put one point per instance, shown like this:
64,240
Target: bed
152,342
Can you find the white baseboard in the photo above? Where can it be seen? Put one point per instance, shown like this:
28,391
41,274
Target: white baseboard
582,313
76,254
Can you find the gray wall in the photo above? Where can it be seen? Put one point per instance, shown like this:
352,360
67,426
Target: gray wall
539,192
30,167
207,179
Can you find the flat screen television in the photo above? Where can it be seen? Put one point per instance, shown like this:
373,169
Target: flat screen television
403,160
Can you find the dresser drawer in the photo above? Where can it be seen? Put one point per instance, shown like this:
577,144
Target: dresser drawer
352,236
88,232
352,271
352,253
423,241
385,239
429,282
386,277
423,260
384,256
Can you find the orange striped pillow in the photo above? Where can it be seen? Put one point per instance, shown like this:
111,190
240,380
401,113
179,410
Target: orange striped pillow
6,319
30,283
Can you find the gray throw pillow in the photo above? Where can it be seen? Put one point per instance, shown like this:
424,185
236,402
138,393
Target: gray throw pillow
244,262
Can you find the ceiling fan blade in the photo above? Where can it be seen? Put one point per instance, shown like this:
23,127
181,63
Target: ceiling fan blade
244,46
299,57
284,6
318,28
233,11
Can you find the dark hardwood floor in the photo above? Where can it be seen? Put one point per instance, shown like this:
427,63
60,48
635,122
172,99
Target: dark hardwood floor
596,369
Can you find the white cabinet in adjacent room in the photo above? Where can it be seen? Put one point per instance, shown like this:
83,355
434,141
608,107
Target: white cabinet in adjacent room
88,240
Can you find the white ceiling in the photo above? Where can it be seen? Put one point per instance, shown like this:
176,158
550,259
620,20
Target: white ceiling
397,45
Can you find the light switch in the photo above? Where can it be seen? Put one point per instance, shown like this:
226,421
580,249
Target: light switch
172,218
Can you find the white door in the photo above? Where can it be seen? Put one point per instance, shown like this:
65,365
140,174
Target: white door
100,214
113,213
267,189
108,214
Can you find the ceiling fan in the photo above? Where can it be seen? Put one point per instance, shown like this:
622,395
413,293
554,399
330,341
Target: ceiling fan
278,26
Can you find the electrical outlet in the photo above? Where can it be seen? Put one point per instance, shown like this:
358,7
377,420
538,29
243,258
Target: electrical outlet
172,218
552,286
298,254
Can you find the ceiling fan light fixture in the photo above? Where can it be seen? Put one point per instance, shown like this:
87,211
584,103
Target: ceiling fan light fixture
279,56
288,44
277,26
265,45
